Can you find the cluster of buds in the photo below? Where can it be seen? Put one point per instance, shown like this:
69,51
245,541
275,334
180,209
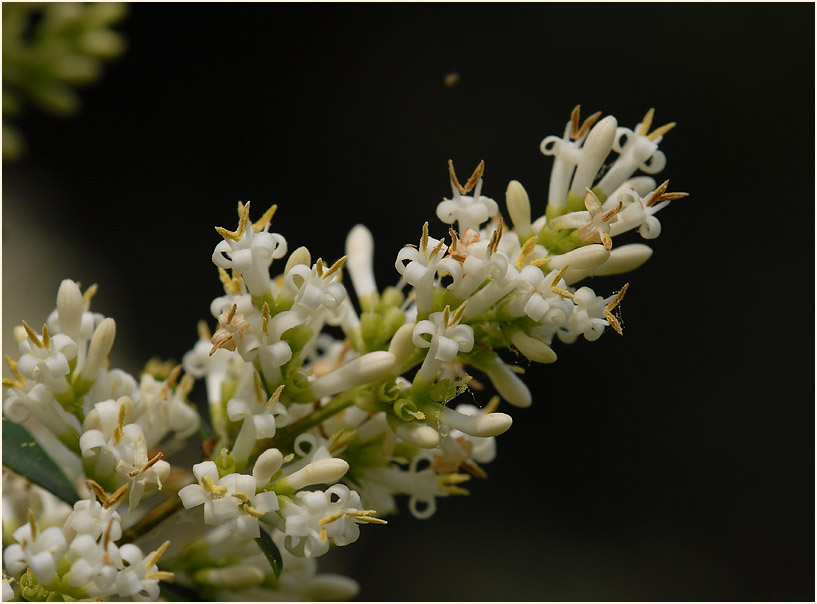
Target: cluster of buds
315,435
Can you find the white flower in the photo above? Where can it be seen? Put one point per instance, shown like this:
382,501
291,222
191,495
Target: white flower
640,212
360,263
467,211
591,315
638,150
447,339
39,551
89,517
593,225
250,250
424,263
45,359
566,152
141,471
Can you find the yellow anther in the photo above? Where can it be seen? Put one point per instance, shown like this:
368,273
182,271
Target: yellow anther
147,466
457,314
555,288
447,483
335,267
97,489
254,512
647,122
185,385
288,458
117,495
437,248
160,575
32,335
576,131
212,488
492,405
154,559
496,237
471,181
204,331
19,381
231,283
366,516
660,194
455,240
319,267
32,524
446,315
224,453
231,314
661,131
256,385
424,239
540,262
607,241
88,295
340,439
608,310
527,250
241,496
323,535
46,336
275,396
331,518
265,317
244,215
259,225
106,539
169,382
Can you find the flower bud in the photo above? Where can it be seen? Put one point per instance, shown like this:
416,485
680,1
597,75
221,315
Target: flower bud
360,252
230,577
518,202
623,259
371,367
323,471
533,349
596,148
268,463
483,424
101,344
69,309
299,256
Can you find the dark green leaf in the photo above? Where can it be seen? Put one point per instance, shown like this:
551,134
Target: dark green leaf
23,455
270,550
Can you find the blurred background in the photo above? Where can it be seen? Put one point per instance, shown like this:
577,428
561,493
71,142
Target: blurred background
675,463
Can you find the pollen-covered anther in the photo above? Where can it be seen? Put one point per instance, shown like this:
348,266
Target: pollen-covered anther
265,318
331,518
367,516
647,122
33,524
319,267
492,405
660,194
262,222
148,465
340,440
19,380
212,488
160,575
447,483
424,239
244,215
171,380
323,535
335,267
116,496
576,131
120,424
257,388
32,335
527,250
608,310
254,512
555,288
243,497
231,283
88,295
437,248
275,396
455,318
471,181
157,555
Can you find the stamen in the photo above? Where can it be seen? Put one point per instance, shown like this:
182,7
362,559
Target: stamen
454,180
555,288
185,386
661,131
574,121
608,310
204,331
457,314
607,241
211,487
148,465
154,559
231,314
171,380
323,535
288,458
160,575
224,452
437,248
120,423
275,396
424,239
244,214
330,518
105,542
254,512
447,483
499,230
527,250
32,335
265,219
19,381
33,524
117,495
98,490
319,267
241,496
475,177
88,295
609,214
446,315
540,262
363,516
222,342
647,122
231,283
46,337
587,124
335,267
256,384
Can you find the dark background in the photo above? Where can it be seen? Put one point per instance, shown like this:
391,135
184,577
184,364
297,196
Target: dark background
675,463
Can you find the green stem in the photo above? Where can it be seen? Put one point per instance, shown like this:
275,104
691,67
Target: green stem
286,436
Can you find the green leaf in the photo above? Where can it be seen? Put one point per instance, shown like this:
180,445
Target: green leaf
270,550
23,455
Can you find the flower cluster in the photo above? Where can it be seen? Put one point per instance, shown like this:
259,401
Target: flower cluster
315,435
